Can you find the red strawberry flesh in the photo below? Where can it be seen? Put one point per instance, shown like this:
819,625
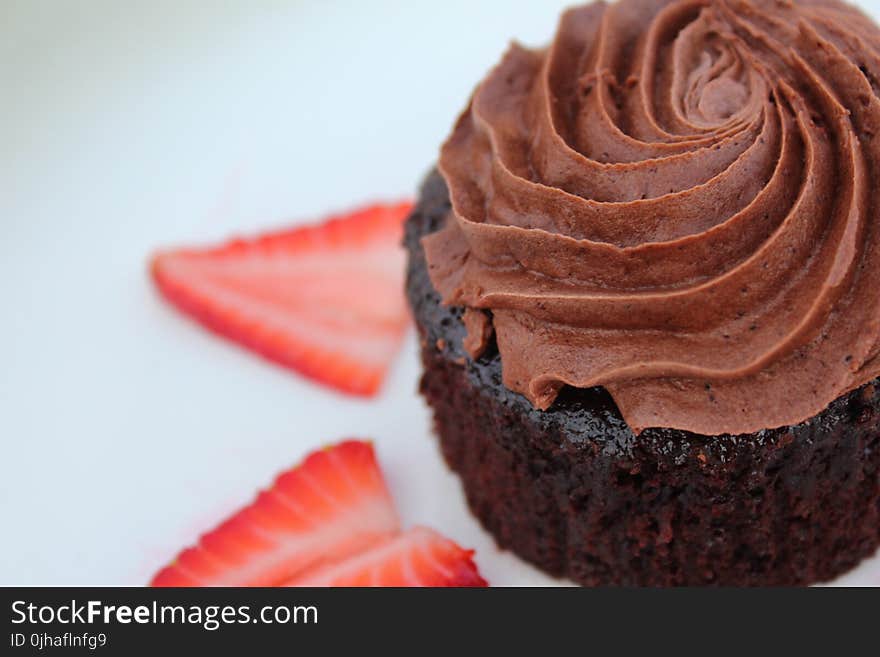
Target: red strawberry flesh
332,506
324,300
419,557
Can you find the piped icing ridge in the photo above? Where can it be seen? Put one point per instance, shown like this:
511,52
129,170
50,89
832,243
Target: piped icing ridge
676,201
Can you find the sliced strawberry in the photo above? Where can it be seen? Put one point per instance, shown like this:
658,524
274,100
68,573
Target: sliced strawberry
325,300
419,557
335,504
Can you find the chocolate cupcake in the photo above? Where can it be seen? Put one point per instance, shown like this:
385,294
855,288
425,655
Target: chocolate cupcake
648,289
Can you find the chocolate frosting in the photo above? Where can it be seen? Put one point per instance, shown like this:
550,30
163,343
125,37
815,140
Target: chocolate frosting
676,201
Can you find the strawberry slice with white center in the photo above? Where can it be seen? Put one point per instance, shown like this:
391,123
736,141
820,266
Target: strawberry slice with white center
419,557
324,300
332,506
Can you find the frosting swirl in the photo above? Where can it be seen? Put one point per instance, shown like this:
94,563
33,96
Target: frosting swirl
677,201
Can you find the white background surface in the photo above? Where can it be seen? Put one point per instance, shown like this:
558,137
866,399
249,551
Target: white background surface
124,126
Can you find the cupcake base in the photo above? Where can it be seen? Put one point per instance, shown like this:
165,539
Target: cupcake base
574,492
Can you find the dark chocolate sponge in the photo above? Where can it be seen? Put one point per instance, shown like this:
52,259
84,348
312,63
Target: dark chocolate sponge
573,491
